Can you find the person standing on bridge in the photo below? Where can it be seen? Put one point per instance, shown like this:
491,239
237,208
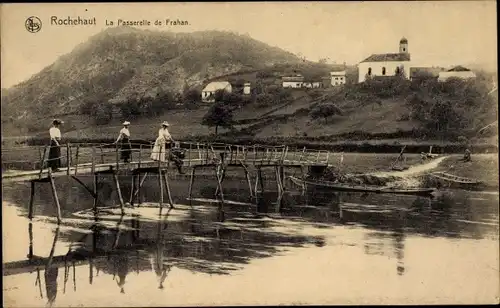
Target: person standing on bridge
124,137
54,161
159,148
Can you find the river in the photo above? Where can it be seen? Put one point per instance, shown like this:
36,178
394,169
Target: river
316,248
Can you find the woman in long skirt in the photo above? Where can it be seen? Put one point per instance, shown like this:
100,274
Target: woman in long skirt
125,146
159,148
54,161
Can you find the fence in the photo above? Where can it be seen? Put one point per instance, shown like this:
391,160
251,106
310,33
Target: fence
79,155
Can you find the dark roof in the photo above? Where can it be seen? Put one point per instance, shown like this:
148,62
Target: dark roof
459,69
388,57
293,78
434,71
403,40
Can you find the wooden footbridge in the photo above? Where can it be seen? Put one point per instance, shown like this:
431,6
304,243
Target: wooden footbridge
30,164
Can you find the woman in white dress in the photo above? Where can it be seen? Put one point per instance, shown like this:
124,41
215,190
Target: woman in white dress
159,147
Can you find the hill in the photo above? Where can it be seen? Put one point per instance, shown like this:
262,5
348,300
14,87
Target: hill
124,62
147,77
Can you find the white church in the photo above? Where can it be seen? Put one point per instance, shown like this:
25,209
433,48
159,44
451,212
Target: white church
387,64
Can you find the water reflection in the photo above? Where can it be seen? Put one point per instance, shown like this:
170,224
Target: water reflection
199,237
51,270
158,261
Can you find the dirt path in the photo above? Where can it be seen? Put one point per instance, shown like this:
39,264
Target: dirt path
412,171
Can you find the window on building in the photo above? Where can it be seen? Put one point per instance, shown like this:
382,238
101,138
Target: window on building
397,70
369,71
383,70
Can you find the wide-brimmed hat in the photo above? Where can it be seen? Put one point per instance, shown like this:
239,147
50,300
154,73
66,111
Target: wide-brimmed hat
165,123
126,123
57,121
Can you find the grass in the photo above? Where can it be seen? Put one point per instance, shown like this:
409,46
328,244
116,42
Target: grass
372,119
183,124
251,111
483,167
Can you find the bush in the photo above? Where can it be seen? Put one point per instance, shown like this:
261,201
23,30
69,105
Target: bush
103,113
325,111
264,100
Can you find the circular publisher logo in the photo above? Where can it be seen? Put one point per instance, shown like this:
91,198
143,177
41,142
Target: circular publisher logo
33,24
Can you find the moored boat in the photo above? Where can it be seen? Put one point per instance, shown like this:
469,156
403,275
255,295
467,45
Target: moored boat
362,188
454,180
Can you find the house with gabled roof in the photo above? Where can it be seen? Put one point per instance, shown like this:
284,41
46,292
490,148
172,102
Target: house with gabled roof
208,93
387,64
457,72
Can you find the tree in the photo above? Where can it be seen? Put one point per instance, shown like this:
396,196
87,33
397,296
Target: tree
191,96
130,109
263,100
219,114
103,113
325,111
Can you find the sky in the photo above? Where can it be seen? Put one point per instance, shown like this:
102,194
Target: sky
440,33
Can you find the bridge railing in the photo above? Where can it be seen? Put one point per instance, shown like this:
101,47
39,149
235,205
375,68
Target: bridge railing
79,155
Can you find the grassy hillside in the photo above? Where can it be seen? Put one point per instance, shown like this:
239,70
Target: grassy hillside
120,63
158,75
365,114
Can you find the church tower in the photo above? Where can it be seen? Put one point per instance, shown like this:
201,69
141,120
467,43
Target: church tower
403,45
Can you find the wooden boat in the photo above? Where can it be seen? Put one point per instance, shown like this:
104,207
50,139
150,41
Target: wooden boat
399,168
451,179
363,188
402,162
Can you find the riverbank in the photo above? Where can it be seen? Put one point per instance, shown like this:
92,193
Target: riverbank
414,146
482,167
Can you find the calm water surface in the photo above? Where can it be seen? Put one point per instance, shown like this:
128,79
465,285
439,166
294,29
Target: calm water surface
320,248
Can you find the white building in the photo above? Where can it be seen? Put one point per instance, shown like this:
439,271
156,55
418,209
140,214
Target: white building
457,72
337,78
310,84
293,81
246,88
208,93
387,64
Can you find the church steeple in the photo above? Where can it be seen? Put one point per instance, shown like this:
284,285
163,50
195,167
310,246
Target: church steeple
403,45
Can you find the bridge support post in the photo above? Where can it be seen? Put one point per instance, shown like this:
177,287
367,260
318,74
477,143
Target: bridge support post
304,187
32,200
278,182
259,180
282,176
219,186
161,187
167,186
191,182
247,176
132,188
119,192
30,234
95,182
138,190
54,195
222,175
